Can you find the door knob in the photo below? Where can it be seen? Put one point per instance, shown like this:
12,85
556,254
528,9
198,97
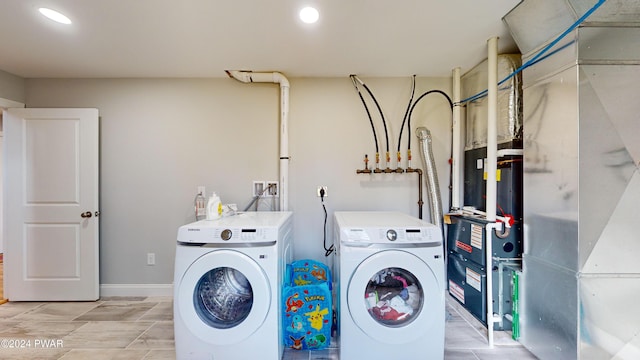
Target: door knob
86,214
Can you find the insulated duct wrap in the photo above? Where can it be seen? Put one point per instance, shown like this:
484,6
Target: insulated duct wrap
509,120
431,177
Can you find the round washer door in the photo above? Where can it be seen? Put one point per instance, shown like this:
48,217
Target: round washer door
224,297
392,296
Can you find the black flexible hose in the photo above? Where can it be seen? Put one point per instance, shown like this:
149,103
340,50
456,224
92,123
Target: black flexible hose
384,123
416,103
375,137
406,114
451,148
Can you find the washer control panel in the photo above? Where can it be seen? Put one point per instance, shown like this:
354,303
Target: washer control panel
242,234
209,235
257,228
399,235
391,228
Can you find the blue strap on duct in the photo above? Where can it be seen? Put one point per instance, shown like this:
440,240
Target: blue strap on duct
307,311
538,56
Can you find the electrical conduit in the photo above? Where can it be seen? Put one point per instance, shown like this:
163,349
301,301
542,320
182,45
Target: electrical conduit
276,78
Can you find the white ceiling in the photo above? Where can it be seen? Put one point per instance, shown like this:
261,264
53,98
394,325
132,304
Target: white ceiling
202,38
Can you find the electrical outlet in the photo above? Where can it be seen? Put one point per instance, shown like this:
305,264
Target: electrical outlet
322,188
151,258
273,189
258,187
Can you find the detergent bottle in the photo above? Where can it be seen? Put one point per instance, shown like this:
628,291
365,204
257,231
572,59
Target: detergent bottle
214,207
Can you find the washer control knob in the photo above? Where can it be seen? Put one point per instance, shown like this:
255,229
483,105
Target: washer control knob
226,234
392,235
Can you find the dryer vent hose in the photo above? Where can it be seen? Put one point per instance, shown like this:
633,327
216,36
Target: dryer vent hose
431,177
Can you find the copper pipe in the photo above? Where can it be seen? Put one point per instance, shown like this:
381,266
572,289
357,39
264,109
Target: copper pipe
420,202
399,170
366,169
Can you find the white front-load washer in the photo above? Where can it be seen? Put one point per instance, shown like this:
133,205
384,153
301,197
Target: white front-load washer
227,286
391,279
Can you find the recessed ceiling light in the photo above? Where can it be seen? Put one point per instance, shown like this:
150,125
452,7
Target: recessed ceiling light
55,16
309,15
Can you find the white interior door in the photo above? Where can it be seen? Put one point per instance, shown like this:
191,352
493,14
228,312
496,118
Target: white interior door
51,204
4,104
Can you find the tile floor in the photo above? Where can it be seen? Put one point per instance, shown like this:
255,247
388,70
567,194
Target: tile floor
142,329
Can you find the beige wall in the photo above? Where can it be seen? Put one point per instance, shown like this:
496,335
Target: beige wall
11,87
161,138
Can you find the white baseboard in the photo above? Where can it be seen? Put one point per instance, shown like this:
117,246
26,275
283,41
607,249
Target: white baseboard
136,290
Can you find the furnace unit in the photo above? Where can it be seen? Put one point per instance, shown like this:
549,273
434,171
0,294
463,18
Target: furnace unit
466,241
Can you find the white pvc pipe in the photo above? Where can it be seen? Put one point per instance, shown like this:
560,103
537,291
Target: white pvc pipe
284,144
277,78
490,228
456,156
491,168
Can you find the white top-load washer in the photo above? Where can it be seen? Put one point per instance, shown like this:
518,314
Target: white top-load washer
391,279
227,286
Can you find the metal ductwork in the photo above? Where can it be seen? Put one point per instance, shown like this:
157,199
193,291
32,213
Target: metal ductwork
581,268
